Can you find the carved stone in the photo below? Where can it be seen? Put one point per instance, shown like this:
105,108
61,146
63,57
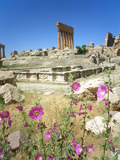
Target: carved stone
3,47
109,40
65,36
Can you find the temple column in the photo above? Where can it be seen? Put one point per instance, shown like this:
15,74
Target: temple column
64,40
59,39
0,53
72,41
69,39
3,51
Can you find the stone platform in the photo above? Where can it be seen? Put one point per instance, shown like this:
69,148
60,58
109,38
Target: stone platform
59,74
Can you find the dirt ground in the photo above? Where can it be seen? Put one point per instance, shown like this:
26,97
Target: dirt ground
52,95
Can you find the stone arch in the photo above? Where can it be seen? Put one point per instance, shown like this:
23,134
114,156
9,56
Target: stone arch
118,52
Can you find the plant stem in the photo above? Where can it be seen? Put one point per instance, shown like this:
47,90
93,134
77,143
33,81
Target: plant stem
108,118
42,141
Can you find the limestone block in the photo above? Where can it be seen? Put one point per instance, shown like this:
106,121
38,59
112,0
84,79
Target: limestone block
91,44
99,48
93,59
10,94
7,77
114,97
17,139
33,77
89,88
96,125
115,124
52,48
14,53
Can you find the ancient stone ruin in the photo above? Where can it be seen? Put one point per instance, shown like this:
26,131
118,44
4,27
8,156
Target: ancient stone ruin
109,40
65,36
3,47
112,41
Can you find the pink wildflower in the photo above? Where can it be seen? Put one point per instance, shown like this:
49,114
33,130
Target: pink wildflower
39,157
51,156
1,149
79,113
54,127
1,156
89,148
1,120
38,126
112,148
36,113
48,135
75,86
75,101
7,141
69,158
26,124
106,103
72,115
20,108
74,143
78,149
90,107
101,92
4,114
9,122
110,89
60,136
110,141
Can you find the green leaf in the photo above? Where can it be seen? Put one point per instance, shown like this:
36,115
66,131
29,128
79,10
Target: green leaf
95,158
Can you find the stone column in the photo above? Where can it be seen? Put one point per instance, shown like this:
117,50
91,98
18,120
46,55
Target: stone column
67,40
63,39
59,39
3,51
72,42
0,53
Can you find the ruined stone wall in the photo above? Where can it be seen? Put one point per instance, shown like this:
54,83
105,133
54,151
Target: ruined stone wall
117,41
109,40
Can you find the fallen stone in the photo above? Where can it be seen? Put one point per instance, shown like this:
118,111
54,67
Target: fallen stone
7,77
112,113
115,124
114,97
48,93
17,139
10,94
96,125
89,89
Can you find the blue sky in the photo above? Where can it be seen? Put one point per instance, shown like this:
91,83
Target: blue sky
31,24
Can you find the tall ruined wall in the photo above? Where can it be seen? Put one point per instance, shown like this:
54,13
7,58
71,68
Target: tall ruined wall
109,40
117,41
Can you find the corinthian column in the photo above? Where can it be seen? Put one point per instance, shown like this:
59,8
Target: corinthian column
3,51
72,41
59,39
0,53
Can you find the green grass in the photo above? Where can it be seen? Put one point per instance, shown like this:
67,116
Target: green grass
16,66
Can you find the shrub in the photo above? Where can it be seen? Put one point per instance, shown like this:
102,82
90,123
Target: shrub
82,49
